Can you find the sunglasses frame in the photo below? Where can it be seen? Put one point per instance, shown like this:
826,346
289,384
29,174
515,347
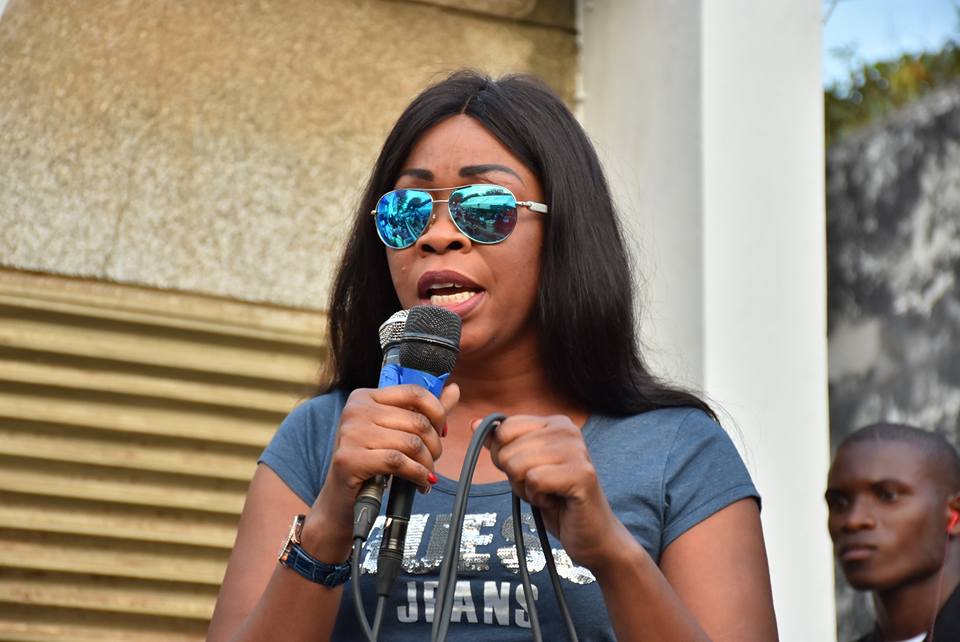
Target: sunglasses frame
533,206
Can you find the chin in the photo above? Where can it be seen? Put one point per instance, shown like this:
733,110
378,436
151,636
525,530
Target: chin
862,576
863,582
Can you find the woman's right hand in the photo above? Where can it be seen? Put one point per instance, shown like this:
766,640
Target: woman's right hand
383,431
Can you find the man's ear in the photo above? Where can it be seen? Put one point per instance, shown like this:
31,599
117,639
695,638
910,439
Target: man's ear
953,506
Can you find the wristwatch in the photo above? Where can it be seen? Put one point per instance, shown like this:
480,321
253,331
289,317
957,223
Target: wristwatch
294,557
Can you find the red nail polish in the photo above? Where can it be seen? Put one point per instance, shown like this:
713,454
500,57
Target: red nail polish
444,432
432,478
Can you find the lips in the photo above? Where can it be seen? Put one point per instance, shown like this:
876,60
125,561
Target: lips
855,551
446,288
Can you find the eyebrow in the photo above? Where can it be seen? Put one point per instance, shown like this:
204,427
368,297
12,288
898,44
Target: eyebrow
873,483
473,170
416,172
905,485
466,171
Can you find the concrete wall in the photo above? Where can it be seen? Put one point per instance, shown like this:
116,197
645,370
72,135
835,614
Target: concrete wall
708,118
219,147
893,235
200,148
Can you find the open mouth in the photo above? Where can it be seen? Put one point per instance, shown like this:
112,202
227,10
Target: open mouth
450,294
448,289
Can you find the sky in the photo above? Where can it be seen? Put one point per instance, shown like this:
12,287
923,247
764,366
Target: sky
883,29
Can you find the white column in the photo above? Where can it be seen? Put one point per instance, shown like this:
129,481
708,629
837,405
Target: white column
708,117
640,78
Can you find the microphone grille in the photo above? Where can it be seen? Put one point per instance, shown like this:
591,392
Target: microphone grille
391,330
431,339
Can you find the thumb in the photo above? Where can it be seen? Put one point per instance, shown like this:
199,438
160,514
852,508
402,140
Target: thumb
487,442
450,396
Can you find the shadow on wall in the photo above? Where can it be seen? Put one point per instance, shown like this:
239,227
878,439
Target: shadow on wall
893,247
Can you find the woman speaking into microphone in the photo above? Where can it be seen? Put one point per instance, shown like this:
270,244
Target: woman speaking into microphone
487,199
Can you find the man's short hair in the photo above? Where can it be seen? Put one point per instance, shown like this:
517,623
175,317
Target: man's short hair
934,445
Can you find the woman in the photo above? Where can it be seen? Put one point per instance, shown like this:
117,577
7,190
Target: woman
655,520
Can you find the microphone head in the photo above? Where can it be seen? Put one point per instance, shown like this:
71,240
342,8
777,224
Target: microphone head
431,340
391,330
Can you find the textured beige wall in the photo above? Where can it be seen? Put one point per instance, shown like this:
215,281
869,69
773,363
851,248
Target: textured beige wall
218,147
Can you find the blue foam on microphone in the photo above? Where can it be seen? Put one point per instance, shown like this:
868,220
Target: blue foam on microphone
394,374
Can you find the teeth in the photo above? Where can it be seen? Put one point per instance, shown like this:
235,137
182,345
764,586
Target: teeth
451,299
442,286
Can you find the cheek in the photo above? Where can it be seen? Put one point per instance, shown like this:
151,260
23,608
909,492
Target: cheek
532,269
524,265
400,276
920,533
833,525
918,545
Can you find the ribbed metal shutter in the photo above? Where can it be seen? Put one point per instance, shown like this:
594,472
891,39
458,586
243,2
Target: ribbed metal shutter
130,424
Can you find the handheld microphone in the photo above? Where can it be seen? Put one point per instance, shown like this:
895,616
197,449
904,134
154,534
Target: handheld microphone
431,341
367,505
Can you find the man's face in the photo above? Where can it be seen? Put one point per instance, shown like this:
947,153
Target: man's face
886,514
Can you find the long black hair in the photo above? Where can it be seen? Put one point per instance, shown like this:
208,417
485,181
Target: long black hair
585,304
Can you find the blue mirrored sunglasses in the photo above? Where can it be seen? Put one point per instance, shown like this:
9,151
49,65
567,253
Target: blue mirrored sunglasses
483,213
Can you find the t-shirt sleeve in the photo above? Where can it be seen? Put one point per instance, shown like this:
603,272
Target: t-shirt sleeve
300,450
703,474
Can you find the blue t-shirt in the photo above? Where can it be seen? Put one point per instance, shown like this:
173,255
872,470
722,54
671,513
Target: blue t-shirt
661,471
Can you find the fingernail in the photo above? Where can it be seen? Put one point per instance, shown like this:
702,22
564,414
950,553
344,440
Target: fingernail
444,432
432,478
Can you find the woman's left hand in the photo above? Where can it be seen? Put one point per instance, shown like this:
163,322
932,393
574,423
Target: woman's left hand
548,465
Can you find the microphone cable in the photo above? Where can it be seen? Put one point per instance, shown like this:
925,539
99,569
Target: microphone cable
447,584
451,559
361,613
548,556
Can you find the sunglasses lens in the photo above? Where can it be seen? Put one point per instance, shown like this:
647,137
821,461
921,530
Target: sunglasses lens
485,213
402,215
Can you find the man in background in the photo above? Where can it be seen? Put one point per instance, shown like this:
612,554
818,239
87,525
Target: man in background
893,496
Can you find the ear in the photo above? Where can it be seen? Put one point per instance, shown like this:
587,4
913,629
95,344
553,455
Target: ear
953,525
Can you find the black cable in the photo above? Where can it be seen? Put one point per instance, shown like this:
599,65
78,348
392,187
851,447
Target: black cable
524,573
554,576
446,586
355,588
378,615
451,558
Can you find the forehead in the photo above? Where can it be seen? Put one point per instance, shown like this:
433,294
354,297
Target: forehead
869,461
460,141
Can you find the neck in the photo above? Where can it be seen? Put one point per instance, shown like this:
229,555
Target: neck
512,382
911,609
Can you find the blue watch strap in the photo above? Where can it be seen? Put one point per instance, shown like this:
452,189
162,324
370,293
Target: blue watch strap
314,570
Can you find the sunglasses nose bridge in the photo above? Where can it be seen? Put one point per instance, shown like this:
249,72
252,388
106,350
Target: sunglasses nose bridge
454,228
433,211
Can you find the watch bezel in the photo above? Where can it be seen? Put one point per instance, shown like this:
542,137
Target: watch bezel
301,562
293,537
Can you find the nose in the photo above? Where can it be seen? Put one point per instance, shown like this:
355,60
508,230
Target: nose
442,235
859,517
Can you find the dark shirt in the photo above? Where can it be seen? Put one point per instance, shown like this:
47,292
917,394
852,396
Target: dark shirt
945,629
